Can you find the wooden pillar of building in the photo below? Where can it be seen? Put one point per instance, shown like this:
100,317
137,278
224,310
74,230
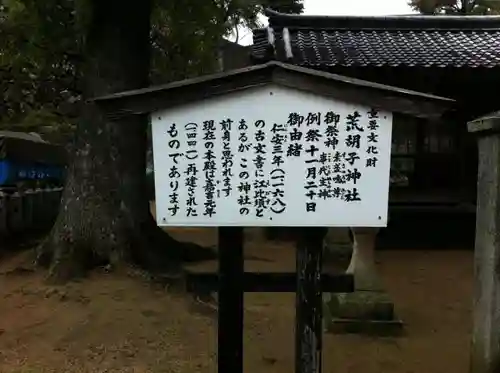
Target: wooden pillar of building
485,348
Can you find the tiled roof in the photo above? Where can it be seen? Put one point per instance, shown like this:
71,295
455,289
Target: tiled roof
408,41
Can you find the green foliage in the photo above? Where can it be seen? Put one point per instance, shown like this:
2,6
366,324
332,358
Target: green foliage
187,33
39,59
460,7
41,45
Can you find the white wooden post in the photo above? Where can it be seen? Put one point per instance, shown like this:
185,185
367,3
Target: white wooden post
485,351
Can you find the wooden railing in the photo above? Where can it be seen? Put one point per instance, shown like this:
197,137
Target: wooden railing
28,211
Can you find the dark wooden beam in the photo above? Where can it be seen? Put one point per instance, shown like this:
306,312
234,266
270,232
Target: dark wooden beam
309,300
230,324
269,282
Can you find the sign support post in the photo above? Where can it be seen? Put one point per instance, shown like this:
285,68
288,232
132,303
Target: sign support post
231,294
308,301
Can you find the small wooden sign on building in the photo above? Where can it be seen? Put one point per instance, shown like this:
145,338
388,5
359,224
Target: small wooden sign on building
272,145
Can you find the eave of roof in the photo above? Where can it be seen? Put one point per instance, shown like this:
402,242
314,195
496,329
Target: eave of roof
22,136
399,22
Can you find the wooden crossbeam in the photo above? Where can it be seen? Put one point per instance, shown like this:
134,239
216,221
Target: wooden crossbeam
308,283
269,282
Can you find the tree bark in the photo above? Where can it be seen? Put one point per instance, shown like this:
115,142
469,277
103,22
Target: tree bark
104,215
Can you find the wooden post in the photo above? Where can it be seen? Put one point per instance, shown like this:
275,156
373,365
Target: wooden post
308,304
230,324
3,214
485,349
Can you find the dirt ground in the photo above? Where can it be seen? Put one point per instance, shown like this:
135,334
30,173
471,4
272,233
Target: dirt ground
120,323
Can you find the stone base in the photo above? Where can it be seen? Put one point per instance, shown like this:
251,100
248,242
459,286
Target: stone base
392,328
364,312
363,305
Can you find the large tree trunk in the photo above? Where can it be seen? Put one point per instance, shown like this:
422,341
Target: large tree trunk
104,215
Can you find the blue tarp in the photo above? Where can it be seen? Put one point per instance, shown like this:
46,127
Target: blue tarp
13,172
27,157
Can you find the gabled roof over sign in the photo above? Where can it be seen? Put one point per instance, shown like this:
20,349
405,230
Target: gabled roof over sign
339,87
407,41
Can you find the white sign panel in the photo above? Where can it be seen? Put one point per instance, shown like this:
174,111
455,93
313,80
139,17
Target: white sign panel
272,157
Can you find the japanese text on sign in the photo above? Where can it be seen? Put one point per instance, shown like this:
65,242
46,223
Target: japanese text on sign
231,162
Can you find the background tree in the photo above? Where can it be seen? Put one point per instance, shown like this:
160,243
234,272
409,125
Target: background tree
38,77
458,7
105,48
186,34
41,52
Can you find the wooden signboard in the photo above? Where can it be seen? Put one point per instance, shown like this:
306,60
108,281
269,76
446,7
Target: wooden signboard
272,156
272,145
